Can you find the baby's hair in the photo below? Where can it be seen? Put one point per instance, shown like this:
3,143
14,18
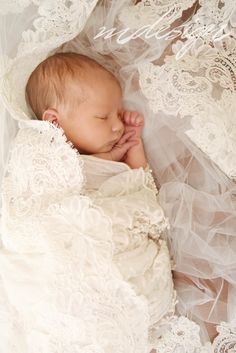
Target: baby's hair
47,85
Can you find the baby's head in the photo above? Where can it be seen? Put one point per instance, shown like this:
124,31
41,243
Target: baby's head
76,93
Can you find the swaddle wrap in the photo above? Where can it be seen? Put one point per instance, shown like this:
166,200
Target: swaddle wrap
72,281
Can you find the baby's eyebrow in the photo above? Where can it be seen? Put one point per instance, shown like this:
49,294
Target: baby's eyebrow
101,114
106,113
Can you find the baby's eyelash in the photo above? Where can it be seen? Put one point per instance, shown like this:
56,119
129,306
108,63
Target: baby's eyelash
106,117
102,117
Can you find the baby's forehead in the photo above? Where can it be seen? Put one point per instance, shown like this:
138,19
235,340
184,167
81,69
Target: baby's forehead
90,75
95,80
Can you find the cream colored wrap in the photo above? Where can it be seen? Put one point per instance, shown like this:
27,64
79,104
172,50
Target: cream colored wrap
82,267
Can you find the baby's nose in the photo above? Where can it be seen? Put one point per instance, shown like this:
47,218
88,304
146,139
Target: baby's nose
117,125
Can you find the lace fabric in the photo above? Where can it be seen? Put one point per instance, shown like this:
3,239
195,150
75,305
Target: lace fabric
226,340
139,252
182,335
52,23
40,177
191,164
219,13
15,6
74,265
151,11
200,87
68,292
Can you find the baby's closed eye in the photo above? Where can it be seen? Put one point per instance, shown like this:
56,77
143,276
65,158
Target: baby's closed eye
105,117
102,117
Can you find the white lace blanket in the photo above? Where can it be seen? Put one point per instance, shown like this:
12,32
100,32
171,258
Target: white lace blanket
82,266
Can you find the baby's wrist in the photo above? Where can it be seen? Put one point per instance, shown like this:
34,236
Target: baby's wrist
138,146
136,157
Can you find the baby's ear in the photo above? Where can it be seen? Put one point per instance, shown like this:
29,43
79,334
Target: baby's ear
51,115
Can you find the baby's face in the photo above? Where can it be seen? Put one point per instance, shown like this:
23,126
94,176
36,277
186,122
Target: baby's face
95,126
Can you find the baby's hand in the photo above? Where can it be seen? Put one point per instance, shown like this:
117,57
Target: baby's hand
135,157
119,151
134,121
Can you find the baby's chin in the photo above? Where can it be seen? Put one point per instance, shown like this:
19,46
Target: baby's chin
102,149
89,152
106,150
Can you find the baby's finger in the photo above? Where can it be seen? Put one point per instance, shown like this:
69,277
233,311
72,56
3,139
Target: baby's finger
139,120
126,117
129,144
133,119
126,136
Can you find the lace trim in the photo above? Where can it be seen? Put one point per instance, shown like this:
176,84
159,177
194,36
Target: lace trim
182,335
225,342
150,182
35,178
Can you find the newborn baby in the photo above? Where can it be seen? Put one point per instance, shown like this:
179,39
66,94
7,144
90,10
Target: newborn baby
85,100
102,240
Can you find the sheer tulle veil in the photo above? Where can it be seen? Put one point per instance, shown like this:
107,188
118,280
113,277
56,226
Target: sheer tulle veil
189,108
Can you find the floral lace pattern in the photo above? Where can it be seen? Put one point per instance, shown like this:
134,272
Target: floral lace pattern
201,86
149,11
225,342
220,13
56,22
39,177
182,335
